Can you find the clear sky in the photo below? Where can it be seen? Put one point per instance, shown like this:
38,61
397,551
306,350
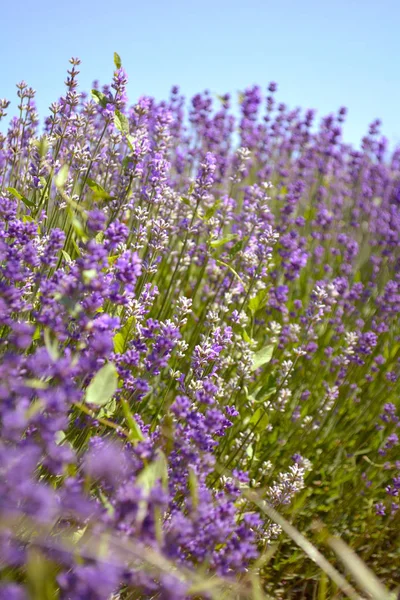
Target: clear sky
323,53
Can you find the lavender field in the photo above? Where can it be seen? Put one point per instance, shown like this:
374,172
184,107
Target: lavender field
200,350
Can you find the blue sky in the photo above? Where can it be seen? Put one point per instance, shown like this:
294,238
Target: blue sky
323,54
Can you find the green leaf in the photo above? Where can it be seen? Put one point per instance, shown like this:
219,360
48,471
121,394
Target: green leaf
222,241
121,122
76,247
210,212
262,357
97,189
19,196
125,333
108,411
51,345
127,161
67,257
100,98
258,301
193,488
167,433
103,385
78,227
135,432
59,437
35,407
15,193
88,275
62,176
232,270
42,145
260,419
237,247
155,471
40,575
250,451
107,505
254,303
131,141
263,396
246,337
111,259
117,61
119,344
36,384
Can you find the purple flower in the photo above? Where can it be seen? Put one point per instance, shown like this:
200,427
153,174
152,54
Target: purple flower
105,460
96,220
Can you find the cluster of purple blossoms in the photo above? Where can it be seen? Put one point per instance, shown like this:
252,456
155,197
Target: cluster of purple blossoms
183,318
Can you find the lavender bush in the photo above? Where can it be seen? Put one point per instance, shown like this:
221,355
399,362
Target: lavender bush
194,308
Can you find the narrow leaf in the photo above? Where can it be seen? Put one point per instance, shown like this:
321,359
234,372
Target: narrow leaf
97,189
232,270
131,141
222,241
136,434
126,331
100,98
36,384
67,257
51,346
121,122
312,552
210,212
118,343
193,488
78,227
365,578
237,247
19,196
117,60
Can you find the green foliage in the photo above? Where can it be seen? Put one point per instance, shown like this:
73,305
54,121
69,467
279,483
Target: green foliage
62,176
135,433
121,122
222,241
99,98
263,356
97,189
19,196
117,61
284,393
103,386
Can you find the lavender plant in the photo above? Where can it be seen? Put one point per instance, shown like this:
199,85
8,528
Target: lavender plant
191,307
